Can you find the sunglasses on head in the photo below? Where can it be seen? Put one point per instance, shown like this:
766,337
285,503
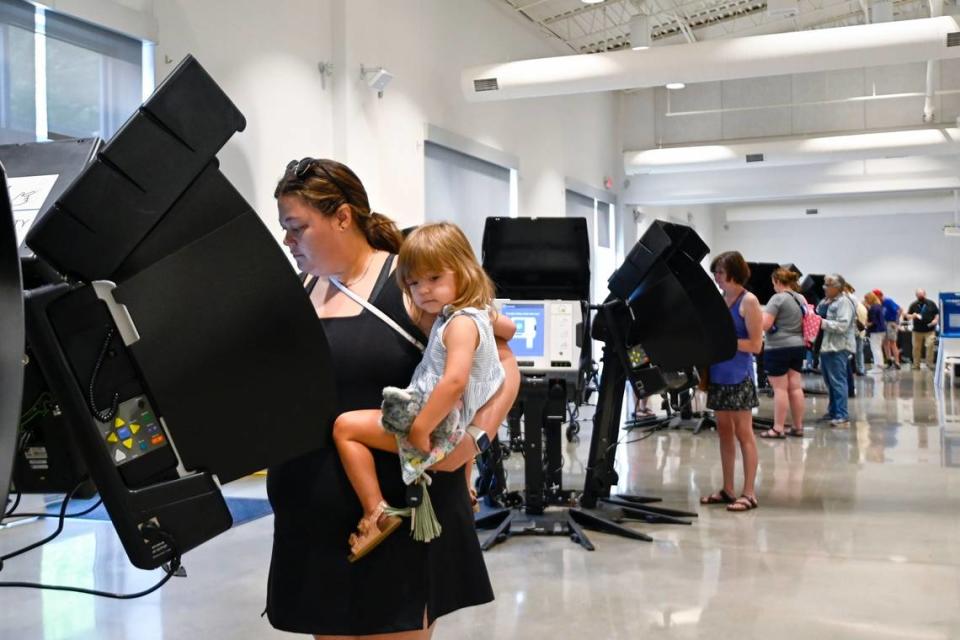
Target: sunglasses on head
300,169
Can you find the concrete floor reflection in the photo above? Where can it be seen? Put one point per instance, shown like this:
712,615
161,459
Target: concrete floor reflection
855,537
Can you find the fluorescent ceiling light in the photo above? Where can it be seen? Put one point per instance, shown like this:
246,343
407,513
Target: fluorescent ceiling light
673,86
591,1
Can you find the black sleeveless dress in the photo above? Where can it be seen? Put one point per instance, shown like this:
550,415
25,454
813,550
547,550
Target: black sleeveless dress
311,587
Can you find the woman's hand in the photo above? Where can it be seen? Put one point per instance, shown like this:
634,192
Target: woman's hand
491,415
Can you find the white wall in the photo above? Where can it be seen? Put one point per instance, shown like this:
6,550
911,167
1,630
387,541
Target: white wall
264,55
703,219
426,44
895,253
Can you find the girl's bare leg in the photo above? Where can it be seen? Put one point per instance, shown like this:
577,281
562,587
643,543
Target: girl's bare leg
355,433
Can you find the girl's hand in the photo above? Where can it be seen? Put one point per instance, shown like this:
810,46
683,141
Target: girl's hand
420,438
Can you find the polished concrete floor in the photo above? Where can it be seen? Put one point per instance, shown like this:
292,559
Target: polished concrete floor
857,536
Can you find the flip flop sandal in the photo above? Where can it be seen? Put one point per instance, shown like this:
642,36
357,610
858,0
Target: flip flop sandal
773,434
720,497
795,433
743,503
373,530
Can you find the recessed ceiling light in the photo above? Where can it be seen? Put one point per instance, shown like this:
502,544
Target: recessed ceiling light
675,85
591,1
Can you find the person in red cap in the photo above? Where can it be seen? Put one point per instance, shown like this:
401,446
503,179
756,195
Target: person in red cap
891,316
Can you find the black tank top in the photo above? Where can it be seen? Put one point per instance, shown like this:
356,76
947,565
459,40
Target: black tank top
312,588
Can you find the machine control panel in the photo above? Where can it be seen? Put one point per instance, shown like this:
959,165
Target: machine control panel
133,432
547,337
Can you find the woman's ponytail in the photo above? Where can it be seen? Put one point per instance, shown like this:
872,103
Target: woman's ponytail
382,233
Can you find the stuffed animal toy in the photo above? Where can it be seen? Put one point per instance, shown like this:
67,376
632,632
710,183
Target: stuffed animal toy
400,407
398,411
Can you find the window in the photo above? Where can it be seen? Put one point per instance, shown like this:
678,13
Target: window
65,78
17,73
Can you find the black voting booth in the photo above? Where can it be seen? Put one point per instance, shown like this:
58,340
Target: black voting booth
811,286
11,340
665,298
531,260
47,458
545,263
660,297
178,330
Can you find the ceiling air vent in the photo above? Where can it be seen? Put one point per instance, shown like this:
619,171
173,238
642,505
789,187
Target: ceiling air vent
754,157
812,212
953,39
485,84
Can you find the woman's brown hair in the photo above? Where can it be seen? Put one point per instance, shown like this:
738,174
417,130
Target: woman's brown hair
325,185
733,265
787,278
439,246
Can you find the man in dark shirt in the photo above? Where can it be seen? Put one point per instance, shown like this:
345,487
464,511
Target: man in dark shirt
925,315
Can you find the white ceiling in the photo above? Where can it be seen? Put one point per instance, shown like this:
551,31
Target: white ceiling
604,26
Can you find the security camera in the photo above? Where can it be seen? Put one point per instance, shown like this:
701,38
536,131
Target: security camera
377,78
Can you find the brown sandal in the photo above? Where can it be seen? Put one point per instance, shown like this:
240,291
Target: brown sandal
720,497
372,531
743,503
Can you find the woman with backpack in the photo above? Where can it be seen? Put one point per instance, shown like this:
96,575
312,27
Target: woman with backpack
783,353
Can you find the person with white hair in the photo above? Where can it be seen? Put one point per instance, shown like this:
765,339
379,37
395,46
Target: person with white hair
839,342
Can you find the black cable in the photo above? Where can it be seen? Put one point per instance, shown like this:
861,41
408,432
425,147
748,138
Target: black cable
149,531
103,415
16,503
63,511
69,515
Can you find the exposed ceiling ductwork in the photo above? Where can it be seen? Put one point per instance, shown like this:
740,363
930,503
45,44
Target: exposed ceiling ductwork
714,60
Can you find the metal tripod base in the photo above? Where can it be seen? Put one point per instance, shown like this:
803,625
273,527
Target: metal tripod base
507,523
632,509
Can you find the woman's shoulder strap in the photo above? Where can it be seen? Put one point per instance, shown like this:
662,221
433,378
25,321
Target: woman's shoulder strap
385,273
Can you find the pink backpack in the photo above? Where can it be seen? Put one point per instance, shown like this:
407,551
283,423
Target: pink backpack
811,325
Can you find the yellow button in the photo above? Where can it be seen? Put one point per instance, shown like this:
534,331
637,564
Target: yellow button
118,423
112,438
134,427
128,443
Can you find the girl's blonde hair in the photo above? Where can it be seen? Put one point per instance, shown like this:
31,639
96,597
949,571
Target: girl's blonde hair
871,299
441,246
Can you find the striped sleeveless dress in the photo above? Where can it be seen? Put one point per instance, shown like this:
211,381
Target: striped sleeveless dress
486,377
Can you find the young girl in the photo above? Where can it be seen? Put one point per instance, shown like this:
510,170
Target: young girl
460,371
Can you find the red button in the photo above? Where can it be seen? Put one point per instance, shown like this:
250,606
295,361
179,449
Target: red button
156,439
